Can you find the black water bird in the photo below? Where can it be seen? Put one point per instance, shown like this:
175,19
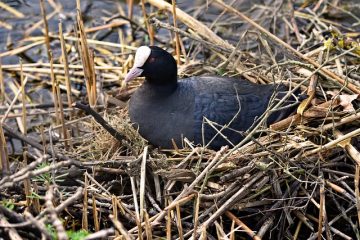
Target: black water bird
165,108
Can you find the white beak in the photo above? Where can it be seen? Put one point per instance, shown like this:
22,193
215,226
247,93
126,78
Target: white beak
133,73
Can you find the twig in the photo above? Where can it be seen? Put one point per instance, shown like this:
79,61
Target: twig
100,120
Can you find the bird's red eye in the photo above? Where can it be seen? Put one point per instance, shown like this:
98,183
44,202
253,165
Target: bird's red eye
152,59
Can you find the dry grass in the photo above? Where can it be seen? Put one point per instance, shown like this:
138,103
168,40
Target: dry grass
296,179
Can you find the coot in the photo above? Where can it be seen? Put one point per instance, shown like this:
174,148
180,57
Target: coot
197,108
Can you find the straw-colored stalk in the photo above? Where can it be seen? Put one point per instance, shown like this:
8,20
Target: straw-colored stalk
142,183
62,118
23,101
196,214
130,5
66,65
115,211
84,222
148,229
357,190
177,38
136,204
27,183
87,59
241,224
168,224
11,10
148,26
139,228
321,211
54,91
2,86
47,39
179,224
4,158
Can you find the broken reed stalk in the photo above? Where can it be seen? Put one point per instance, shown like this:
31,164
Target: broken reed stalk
47,39
95,214
177,37
290,49
84,221
93,77
142,183
23,101
62,118
64,57
4,157
357,190
139,229
178,223
2,86
242,225
54,87
321,210
148,26
130,5
148,229
114,211
27,183
168,222
11,10
348,147
196,214
12,103
86,58
311,89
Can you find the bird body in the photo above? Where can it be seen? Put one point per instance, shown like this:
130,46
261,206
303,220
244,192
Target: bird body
207,110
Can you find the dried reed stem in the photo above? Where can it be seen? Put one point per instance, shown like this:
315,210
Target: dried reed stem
87,58
148,26
142,183
11,10
23,100
54,87
27,183
66,65
84,221
47,39
248,231
95,214
2,86
4,157
357,190
321,211
177,38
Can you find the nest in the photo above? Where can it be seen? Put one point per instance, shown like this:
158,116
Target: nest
68,177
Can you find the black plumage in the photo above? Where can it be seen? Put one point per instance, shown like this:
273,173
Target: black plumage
164,108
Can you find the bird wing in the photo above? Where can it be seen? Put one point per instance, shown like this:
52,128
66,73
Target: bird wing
226,115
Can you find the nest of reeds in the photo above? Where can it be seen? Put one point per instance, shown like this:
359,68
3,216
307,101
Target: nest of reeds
64,176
